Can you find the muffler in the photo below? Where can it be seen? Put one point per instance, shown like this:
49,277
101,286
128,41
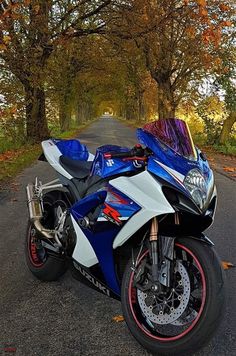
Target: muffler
35,212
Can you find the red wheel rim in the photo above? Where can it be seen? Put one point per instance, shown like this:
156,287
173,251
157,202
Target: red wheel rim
32,251
203,298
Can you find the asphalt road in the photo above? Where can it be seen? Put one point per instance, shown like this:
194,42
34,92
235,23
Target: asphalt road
66,318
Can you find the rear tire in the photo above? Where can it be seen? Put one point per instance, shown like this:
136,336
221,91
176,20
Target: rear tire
44,264
208,316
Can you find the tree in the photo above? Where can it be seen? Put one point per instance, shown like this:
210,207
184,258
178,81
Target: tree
183,37
11,107
227,82
30,31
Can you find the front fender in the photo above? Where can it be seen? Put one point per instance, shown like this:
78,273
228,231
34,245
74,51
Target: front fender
202,238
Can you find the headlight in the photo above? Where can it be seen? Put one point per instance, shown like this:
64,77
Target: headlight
196,185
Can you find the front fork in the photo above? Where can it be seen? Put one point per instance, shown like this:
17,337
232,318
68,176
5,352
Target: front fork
162,254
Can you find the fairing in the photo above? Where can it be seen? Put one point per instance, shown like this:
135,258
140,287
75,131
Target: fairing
175,134
174,153
110,167
72,149
110,210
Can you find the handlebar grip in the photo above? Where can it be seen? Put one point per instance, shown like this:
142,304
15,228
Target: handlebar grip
137,151
118,154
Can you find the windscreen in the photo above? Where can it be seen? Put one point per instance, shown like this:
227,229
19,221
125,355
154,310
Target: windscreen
173,133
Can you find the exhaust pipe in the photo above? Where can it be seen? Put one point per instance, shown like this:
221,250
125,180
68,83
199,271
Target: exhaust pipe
35,212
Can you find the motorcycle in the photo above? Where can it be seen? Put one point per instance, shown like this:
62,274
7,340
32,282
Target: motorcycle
129,223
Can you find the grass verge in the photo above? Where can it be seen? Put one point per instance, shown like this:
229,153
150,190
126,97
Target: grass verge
13,161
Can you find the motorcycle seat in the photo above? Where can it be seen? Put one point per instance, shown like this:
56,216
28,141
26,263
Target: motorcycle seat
77,169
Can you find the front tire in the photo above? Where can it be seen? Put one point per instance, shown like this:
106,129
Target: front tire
198,312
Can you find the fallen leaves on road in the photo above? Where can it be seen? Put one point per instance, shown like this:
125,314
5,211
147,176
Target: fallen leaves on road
15,186
14,199
229,169
227,265
118,318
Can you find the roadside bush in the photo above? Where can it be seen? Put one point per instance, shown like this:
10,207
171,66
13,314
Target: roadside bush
12,132
229,148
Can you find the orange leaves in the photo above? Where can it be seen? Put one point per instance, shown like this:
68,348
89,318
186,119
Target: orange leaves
36,9
226,24
216,36
3,47
191,32
207,60
11,8
212,35
203,11
118,318
226,265
225,70
217,61
4,42
229,169
210,61
207,35
202,8
11,11
13,110
201,2
224,7
8,155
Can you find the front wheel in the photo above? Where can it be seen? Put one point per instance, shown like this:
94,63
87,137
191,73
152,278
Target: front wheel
182,318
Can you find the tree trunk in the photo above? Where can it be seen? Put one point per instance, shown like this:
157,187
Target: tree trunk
64,115
227,126
166,98
81,113
66,105
141,108
166,103
36,122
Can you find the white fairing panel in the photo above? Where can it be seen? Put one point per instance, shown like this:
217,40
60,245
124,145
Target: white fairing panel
147,193
52,153
90,157
83,252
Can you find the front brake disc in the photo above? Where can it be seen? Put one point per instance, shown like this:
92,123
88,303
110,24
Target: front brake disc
169,309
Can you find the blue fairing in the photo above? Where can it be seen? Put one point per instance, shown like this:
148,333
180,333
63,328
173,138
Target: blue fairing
121,203
102,241
72,149
108,167
102,233
167,156
84,206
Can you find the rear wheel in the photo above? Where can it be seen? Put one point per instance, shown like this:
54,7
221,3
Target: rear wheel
44,264
181,318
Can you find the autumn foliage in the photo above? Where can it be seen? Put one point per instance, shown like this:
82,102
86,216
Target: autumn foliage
65,62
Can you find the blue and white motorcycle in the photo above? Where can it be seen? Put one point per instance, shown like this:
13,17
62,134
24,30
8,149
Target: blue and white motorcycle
130,222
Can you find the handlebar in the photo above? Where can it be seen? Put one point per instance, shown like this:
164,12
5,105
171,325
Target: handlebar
137,152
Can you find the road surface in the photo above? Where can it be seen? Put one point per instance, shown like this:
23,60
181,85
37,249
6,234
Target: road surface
66,318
